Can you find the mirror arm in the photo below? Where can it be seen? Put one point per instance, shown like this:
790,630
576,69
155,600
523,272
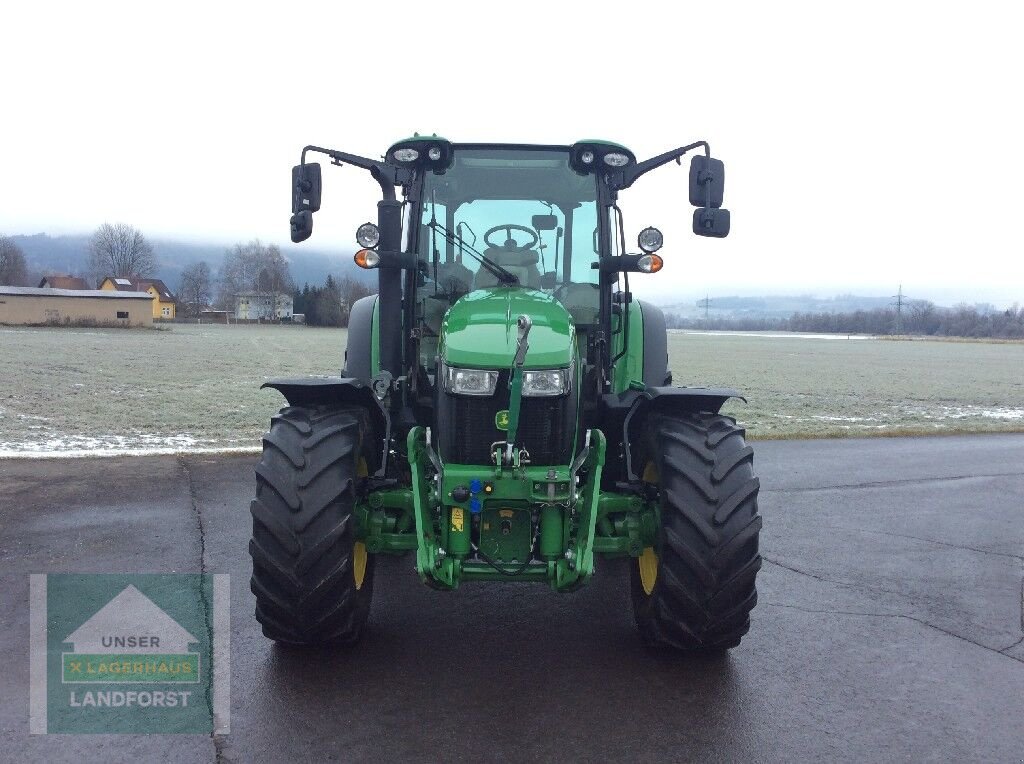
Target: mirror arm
618,264
632,173
387,175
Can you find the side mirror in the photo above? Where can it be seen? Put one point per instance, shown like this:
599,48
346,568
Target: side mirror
711,222
302,225
707,175
544,222
305,188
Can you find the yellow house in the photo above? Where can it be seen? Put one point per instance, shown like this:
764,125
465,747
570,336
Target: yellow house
164,303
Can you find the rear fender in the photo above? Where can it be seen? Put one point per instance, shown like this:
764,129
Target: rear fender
344,391
644,405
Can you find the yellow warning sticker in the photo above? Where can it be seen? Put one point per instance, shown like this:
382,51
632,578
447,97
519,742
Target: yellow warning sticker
457,519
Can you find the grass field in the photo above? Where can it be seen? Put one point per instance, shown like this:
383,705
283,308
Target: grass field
78,391
832,386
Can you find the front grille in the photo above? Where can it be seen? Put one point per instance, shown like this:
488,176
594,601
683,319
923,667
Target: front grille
466,427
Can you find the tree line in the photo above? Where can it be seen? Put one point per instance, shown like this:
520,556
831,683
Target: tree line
918,317
122,251
330,304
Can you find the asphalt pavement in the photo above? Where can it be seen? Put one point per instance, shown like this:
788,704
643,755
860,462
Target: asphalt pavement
890,625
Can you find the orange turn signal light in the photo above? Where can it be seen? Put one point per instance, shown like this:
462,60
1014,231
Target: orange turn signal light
650,263
366,258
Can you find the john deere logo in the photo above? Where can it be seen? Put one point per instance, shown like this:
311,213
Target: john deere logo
501,419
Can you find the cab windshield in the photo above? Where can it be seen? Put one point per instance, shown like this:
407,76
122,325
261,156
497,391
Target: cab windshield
508,216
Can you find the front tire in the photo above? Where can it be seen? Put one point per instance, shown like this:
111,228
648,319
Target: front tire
312,579
695,590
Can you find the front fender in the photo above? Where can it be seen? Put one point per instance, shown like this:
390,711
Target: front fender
687,399
626,414
344,391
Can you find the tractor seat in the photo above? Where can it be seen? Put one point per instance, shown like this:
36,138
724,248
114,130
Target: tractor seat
454,278
582,300
520,262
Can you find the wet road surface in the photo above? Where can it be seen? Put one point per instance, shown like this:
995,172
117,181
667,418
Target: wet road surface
890,625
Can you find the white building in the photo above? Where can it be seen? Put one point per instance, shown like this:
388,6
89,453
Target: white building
263,306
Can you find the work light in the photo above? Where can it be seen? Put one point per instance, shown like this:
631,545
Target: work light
406,154
615,159
368,235
587,157
650,240
434,153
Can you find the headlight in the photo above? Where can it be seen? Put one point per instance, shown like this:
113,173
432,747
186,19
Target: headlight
546,382
471,381
368,235
615,159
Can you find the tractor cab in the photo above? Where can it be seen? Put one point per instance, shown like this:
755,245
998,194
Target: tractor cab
509,218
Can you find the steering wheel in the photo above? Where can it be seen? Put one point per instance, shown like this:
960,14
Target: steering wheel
510,242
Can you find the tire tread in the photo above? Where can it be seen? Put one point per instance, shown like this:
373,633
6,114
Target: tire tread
708,557
303,527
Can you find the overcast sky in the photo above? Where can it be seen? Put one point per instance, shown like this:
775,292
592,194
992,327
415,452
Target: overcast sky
866,144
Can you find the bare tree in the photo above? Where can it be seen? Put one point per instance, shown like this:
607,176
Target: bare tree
122,251
13,271
273,276
253,267
196,289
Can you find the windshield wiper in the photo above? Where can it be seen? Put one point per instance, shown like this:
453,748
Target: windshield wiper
503,275
500,273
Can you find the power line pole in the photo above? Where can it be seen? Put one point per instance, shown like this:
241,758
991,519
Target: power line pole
899,309
705,303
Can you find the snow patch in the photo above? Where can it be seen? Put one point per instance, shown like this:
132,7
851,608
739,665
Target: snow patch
139,444
967,412
825,418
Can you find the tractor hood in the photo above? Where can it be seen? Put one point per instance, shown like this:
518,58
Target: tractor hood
479,331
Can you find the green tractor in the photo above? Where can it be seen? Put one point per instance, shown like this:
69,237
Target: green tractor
506,411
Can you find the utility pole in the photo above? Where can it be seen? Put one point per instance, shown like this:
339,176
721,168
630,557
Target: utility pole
899,309
705,303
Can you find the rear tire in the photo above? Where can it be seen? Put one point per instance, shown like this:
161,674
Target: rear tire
312,579
696,589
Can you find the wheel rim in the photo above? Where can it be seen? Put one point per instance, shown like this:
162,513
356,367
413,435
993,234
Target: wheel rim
648,564
359,548
359,563
648,561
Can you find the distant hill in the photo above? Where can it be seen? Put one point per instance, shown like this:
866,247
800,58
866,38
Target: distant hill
775,306
69,254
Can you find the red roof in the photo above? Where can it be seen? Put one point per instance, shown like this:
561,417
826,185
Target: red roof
64,282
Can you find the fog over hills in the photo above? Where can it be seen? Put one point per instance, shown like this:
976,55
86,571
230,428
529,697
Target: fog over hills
69,254
784,306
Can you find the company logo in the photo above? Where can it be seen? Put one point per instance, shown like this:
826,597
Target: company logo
501,420
124,653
